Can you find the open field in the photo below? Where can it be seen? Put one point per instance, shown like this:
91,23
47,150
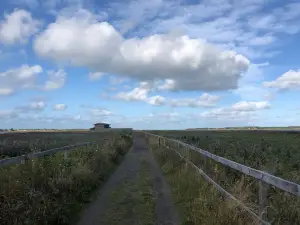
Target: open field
54,189
15,144
274,152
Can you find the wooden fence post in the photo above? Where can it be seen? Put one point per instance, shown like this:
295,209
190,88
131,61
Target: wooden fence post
263,201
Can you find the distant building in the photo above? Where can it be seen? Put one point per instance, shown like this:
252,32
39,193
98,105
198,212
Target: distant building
100,126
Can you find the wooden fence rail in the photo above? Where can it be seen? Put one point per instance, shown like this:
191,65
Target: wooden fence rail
263,177
21,159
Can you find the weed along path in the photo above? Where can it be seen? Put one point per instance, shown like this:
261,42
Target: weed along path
135,194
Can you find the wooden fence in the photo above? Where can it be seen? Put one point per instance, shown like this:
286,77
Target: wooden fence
263,177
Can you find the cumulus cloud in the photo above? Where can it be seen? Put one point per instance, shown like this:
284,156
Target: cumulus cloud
288,80
141,94
205,100
17,27
56,80
157,100
34,106
60,107
137,94
95,76
239,111
193,64
168,84
250,106
18,78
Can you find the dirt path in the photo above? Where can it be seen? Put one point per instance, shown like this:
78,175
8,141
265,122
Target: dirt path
136,195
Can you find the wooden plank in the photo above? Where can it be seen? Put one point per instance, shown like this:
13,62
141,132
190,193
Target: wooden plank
278,182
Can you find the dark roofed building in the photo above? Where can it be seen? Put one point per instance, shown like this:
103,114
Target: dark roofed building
100,126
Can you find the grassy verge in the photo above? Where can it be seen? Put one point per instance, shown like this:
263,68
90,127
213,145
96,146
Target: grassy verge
276,153
53,190
133,202
197,201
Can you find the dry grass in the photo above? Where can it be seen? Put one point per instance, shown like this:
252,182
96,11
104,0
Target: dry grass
274,152
197,201
52,190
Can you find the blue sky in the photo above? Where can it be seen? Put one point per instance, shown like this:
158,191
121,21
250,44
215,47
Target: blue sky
149,64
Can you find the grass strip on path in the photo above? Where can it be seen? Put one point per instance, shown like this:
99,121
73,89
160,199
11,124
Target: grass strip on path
133,203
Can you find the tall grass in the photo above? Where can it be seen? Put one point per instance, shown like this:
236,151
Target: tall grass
196,200
53,190
15,144
283,208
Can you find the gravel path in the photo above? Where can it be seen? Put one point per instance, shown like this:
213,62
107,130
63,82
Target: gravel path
165,212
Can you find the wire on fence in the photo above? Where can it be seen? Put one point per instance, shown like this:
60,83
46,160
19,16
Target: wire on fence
263,177
278,182
210,180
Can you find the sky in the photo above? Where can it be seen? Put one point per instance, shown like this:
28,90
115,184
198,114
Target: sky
156,64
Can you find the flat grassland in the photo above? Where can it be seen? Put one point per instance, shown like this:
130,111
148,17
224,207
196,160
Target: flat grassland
54,189
275,152
17,143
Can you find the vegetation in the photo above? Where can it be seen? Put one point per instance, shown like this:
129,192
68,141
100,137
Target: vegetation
133,202
15,144
52,190
275,152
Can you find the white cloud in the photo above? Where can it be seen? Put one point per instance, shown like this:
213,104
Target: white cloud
222,23
288,80
228,114
141,94
37,105
193,64
164,116
156,100
205,100
95,76
167,85
100,112
8,114
18,78
137,94
17,27
77,117
264,40
250,85
56,80
243,110
116,80
250,106
60,107
34,106
6,91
